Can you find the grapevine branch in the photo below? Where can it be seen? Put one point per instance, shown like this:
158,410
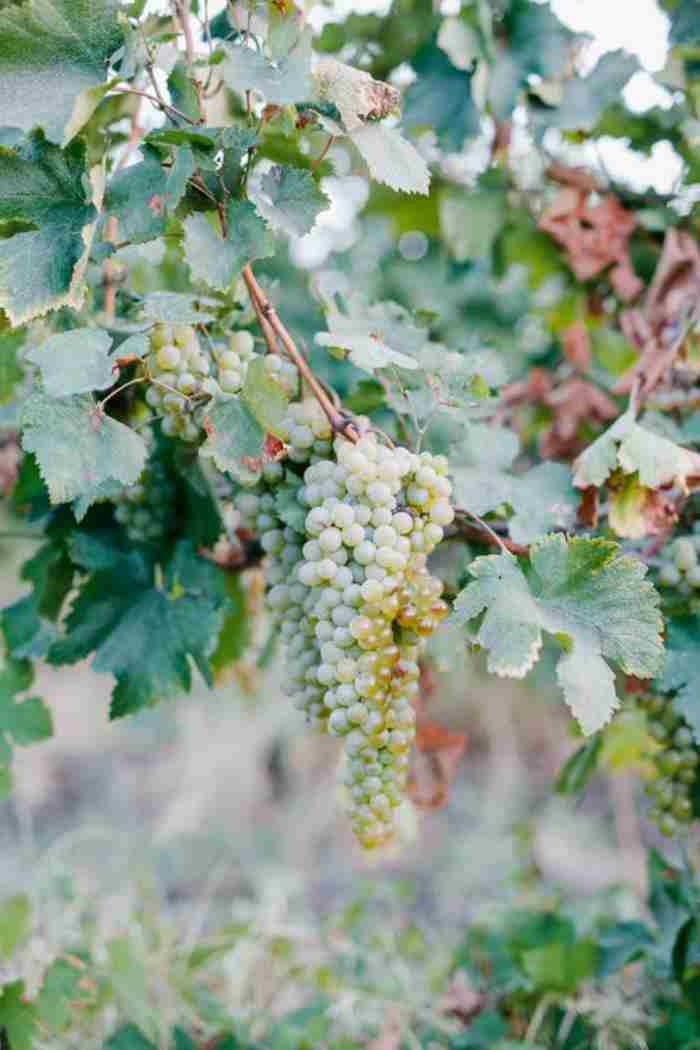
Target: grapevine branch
263,307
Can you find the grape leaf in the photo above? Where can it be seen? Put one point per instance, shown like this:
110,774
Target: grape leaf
177,308
440,98
17,1016
371,334
681,670
281,82
584,98
10,372
15,923
542,499
235,439
391,158
593,600
633,448
479,464
235,632
217,261
60,989
52,52
141,196
43,268
22,722
77,447
265,398
119,611
292,200
74,362
685,23
128,1037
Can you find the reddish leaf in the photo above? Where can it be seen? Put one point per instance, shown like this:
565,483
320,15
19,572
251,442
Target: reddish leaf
577,346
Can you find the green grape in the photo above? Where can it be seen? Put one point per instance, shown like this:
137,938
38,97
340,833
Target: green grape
146,509
675,765
351,592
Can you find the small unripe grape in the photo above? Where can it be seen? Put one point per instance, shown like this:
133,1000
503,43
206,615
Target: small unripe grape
684,554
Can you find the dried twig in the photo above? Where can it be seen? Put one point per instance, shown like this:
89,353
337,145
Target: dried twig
339,422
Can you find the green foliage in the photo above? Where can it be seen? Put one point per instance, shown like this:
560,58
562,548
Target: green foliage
52,53
45,187
567,594
75,362
78,447
121,608
22,721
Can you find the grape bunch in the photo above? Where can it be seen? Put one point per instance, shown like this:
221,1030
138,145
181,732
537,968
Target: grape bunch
179,371
675,765
680,562
146,509
351,591
184,375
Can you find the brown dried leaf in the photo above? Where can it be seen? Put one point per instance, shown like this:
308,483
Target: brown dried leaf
672,296
577,345
593,235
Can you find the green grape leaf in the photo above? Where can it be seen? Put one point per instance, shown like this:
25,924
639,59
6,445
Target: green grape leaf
391,159
292,199
217,261
596,602
52,53
22,722
633,448
583,99
265,398
78,447
440,98
235,631
43,268
681,670
15,923
543,499
479,465
560,967
372,335
74,362
201,517
579,767
17,1016
128,1037
235,439
60,989
685,23
119,611
10,372
28,635
178,308
281,82
537,44
141,196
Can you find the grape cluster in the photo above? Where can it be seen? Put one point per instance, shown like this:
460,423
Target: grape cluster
350,589
180,376
675,765
185,375
680,562
146,508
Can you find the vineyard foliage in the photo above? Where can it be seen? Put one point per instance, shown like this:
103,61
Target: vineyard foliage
321,297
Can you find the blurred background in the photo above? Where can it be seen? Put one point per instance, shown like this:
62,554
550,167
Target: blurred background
212,823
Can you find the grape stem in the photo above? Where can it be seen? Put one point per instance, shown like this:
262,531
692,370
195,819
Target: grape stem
265,311
478,529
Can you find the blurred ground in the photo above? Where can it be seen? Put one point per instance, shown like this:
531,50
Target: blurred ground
207,793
